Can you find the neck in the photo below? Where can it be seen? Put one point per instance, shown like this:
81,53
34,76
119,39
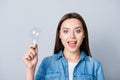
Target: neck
72,56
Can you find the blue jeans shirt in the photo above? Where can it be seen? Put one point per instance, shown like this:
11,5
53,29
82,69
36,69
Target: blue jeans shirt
56,68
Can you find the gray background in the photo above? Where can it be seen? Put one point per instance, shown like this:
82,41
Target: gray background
18,17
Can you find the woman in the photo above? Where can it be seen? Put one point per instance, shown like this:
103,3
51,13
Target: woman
72,58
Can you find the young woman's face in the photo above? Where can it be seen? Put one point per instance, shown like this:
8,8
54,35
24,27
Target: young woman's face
71,34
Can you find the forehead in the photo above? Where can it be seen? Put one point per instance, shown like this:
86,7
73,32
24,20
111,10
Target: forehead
71,23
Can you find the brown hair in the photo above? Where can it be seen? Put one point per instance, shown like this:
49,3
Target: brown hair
85,44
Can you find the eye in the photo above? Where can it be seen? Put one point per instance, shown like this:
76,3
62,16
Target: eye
78,31
65,31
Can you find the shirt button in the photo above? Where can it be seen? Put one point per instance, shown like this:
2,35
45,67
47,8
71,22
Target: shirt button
74,76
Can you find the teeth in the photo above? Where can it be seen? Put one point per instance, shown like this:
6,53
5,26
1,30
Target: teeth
72,42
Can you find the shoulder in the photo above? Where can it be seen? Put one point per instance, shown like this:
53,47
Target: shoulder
89,59
94,62
96,66
50,59
53,57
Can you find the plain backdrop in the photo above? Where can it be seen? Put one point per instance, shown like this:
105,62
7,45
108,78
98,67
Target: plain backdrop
18,17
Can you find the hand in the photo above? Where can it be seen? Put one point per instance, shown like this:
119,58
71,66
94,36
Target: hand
31,56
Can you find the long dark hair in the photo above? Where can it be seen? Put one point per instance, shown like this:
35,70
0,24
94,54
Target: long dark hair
85,44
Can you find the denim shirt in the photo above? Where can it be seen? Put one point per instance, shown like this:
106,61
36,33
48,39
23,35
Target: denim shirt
55,67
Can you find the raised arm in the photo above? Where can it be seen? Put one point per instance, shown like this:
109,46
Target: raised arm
31,58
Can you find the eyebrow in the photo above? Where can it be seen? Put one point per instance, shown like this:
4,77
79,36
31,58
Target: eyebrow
79,27
64,28
75,28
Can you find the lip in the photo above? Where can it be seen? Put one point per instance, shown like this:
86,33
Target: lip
72,43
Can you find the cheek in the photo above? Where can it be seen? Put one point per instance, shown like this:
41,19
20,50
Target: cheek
62,36
63,39
80,39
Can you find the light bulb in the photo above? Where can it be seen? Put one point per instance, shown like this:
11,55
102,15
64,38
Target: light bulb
35,34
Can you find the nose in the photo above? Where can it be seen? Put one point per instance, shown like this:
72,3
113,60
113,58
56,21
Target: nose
72,35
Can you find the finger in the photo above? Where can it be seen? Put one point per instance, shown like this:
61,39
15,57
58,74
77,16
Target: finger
33,46
32,52
27,57
36,50
29,54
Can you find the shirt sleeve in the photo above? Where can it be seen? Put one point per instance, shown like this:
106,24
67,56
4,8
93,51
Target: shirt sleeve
100,73
40,75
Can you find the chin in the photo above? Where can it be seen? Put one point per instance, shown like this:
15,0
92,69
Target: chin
73,50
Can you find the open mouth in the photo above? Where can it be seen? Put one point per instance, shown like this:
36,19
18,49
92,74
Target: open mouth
72,44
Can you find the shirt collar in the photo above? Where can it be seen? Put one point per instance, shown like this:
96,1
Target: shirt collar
60,55
83,55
